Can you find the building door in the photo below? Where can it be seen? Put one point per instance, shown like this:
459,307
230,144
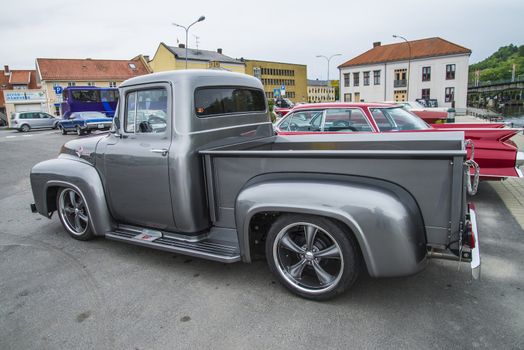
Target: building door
347,97
400,95
357,96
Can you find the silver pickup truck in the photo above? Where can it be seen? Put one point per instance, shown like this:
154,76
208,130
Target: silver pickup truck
192,166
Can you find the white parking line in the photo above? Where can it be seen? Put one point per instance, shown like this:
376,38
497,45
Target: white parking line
27,135
9,137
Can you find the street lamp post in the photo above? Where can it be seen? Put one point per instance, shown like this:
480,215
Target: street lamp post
200,19
409,63
328,59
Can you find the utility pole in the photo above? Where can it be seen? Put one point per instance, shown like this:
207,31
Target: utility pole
409,63
200,19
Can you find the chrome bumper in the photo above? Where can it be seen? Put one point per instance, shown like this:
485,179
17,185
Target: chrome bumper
475,252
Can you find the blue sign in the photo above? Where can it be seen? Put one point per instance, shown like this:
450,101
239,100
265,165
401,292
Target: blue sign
276,92
58,89
283,88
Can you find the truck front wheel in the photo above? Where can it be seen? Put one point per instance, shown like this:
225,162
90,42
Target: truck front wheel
73,214
312,256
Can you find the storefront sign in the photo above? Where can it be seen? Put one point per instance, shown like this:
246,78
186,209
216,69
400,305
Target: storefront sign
13,96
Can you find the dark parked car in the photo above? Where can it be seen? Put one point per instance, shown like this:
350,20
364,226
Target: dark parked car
85,122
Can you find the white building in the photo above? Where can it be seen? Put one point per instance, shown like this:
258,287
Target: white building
320,91
438,70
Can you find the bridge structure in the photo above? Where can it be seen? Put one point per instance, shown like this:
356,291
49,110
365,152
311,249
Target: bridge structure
495,94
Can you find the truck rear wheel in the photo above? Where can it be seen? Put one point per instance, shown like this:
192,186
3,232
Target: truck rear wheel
312,256
73,213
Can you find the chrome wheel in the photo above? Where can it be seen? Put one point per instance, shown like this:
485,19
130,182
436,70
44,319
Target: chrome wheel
308,257
73,212
26,128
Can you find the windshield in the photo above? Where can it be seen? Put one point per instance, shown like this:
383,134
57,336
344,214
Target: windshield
397,118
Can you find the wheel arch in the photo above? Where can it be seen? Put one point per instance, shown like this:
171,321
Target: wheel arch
383,217
49,176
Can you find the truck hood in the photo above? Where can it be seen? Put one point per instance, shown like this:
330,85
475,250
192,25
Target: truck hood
83,148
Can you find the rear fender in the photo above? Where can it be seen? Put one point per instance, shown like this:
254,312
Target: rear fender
384,218
48,176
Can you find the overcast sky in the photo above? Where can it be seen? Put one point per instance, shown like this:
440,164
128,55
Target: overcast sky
287,31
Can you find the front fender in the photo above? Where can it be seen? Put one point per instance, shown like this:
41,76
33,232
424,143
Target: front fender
75,173
383,217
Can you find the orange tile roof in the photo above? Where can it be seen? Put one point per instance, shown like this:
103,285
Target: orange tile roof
89,69
5,83
423,48
20,77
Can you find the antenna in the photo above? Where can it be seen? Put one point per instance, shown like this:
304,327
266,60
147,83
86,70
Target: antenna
197,41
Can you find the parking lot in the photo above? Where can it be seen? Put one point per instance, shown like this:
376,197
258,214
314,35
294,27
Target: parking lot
56,292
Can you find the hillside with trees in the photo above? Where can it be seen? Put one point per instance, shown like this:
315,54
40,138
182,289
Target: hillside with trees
498,66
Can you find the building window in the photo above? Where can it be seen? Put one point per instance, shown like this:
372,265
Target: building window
376,77
346,79
347,97
425,94
450,71
400,78
426,73
450,94
366,78
356,78
112,84
71,83
90,83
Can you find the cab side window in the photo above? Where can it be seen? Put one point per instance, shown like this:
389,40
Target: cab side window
146,111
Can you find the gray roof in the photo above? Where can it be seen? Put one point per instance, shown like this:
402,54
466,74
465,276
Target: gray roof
201,55
317,82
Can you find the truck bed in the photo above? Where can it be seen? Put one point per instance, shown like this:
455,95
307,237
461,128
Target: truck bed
438,172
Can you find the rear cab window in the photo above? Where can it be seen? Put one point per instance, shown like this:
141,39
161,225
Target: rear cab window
215,101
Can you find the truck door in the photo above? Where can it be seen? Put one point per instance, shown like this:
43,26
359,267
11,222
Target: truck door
136,160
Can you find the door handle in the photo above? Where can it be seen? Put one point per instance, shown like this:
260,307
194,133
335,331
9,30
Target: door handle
162,151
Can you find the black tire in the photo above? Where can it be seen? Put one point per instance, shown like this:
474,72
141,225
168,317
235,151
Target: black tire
73,214
339,269
25,128
79,131
64,131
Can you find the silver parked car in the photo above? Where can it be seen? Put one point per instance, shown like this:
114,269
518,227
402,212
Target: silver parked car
25,121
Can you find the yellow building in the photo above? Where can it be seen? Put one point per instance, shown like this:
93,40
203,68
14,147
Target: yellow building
274,75
57,72
172,57
320,91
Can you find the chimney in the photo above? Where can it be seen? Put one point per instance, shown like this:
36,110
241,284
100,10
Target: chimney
182,46
219,50
376,43
146,57
6,69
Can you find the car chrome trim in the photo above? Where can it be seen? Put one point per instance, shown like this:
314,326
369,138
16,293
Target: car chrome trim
475,252
519,161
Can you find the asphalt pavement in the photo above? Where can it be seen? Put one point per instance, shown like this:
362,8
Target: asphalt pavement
59,293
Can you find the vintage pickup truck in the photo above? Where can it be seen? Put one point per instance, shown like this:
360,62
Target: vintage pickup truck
212,180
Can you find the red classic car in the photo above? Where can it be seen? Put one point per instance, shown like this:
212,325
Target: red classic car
497,156
431,115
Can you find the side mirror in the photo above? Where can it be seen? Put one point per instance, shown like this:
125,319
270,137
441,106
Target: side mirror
115,128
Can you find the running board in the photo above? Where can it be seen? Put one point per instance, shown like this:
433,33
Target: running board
215,246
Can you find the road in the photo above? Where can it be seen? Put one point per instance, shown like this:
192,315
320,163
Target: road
59,293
